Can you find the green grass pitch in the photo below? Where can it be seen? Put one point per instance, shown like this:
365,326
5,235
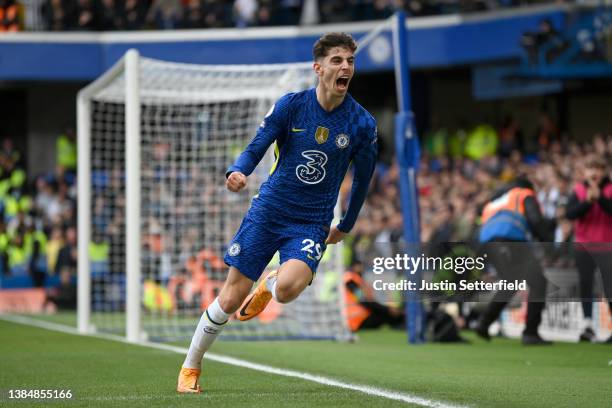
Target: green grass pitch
104,373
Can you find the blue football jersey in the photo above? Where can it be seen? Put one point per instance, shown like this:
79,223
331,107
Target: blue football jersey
313,150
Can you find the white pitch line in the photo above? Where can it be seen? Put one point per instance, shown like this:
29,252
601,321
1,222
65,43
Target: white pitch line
373,391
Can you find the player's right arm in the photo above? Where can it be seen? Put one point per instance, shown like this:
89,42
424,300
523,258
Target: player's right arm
236,181
273,127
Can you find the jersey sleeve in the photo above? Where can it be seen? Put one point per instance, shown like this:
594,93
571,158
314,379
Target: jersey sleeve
273,127
364,162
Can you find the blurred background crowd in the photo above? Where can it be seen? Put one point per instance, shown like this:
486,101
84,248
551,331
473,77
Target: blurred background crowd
106,15
38,223
461,168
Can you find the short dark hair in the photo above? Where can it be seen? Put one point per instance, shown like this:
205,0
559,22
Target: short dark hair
331,40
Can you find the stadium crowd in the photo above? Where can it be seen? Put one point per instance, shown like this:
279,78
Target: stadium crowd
459,171
463,169
108,15
37,226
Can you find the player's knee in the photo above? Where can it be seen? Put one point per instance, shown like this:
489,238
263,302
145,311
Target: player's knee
231,298
285,294
229,304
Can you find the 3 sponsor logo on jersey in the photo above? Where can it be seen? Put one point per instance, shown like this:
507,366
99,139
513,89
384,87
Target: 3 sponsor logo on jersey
313,171
342,141
234,249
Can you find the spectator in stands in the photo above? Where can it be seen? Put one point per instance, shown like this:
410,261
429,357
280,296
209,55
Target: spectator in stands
64,296
84,19
55,244
67,256
132,15
419,8
99,250
482,141
16,261
18,222
9,151
510,137
532,42
61,209
456,141
547,131
267,12
66,147
436,140
192,15
44,197
385,8
165,14
10,16
55,15
216,14
289,12
335,11
442,228
590,206
108,18
245,12
4,246
35,242
12,177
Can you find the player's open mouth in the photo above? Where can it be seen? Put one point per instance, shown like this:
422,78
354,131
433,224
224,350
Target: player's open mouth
342,82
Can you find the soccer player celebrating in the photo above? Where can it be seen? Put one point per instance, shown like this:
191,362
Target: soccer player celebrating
317,133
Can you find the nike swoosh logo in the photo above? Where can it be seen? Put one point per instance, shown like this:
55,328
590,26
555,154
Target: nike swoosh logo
243,310
297,130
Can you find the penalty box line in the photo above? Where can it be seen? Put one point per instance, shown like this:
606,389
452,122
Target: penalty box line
368,390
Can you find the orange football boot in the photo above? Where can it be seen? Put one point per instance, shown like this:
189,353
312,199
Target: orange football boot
257,301
188,381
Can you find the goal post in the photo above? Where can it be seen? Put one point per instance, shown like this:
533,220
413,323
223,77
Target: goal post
84,193
132,195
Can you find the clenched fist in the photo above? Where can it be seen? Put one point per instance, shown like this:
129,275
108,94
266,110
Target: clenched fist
335,236
236,181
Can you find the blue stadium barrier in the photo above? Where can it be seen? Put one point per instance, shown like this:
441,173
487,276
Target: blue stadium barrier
25,282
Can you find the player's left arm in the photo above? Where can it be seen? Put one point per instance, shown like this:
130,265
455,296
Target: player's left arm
364,163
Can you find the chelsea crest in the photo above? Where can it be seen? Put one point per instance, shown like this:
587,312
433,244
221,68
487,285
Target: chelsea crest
234,249
342,141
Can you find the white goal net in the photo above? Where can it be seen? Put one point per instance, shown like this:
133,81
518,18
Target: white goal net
189,123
